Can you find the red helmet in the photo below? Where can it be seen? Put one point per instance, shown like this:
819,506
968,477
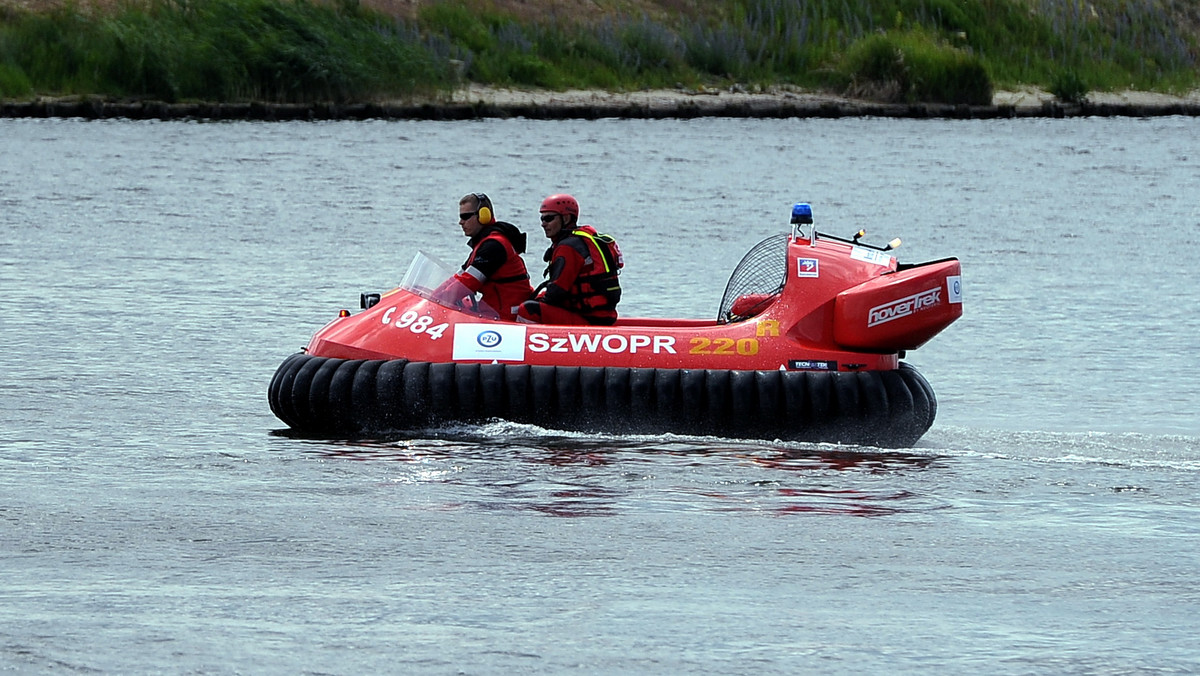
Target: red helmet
561,204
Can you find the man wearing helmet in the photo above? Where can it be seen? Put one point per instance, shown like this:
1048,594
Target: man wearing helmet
494,269
581,284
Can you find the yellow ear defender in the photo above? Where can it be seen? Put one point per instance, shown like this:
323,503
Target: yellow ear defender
485,208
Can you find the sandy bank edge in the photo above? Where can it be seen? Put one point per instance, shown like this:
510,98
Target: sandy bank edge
1026,98
475,101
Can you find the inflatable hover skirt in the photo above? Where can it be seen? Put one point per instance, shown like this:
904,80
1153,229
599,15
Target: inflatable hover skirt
806,347
353,397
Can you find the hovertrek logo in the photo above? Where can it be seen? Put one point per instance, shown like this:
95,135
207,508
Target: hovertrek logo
904,307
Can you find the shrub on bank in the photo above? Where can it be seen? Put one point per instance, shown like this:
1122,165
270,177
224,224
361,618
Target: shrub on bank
912,67
1068,87
14,84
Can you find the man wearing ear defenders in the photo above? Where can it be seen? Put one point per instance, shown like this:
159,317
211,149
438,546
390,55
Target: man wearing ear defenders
494,269
581,284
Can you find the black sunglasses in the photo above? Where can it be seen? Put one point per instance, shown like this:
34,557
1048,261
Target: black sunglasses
466,214
546,218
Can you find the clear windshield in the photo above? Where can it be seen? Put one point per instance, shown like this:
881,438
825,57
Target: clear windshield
432,279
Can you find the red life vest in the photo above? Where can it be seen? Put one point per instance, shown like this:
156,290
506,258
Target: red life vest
508,287
596,290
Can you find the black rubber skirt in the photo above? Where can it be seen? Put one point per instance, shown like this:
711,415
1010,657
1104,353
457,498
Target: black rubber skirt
339,398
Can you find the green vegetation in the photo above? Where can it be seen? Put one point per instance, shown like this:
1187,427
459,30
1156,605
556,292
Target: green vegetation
953,51
911,67
1068,87
219,50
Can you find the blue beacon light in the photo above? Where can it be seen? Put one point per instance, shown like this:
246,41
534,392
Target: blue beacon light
802,214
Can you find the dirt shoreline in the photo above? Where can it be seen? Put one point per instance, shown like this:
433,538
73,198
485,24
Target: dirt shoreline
475,102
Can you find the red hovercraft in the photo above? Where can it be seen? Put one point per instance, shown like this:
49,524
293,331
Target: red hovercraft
806,347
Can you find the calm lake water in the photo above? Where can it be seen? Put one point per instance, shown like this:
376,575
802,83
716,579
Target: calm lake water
153,520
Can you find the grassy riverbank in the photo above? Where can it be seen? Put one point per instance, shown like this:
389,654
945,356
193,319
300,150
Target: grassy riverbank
949,51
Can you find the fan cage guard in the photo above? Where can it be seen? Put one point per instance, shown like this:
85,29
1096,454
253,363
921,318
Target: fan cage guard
763,270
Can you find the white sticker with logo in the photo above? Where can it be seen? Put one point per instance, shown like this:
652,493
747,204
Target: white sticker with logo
954,288
870,256
807,267
502,342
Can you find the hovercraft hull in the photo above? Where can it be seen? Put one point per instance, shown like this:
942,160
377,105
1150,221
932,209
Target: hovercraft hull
807,346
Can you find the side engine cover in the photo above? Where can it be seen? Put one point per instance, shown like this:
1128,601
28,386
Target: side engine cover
900,310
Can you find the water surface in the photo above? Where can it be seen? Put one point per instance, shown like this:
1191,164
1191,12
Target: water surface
153,275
